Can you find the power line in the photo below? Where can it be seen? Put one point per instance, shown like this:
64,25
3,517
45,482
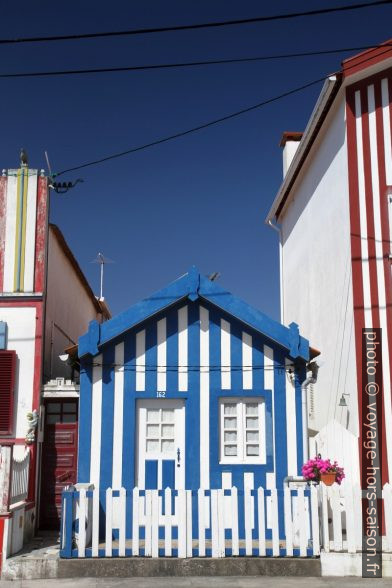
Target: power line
204,25
68,72
192,130
207,124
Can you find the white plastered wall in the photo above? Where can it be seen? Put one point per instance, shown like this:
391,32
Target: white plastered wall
21,325
316,285
69,308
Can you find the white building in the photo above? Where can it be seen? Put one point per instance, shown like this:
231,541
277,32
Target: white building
333,214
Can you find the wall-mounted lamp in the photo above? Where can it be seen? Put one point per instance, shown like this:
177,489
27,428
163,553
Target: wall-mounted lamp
342,401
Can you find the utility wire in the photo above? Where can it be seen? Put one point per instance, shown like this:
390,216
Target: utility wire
192,130
204,25
207,124
69,72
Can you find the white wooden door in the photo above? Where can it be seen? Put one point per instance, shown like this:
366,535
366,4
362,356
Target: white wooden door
160,461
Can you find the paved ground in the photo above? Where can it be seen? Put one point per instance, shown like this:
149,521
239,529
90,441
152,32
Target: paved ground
211,582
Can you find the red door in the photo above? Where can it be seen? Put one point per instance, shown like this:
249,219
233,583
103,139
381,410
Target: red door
59,458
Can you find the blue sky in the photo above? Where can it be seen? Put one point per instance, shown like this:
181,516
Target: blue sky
201,199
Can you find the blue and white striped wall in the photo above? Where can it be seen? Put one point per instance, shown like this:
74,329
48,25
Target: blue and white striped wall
197,352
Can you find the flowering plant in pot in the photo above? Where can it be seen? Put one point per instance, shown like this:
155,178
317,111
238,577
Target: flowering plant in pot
322,470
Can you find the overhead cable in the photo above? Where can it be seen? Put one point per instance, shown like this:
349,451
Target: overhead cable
68,72
204,25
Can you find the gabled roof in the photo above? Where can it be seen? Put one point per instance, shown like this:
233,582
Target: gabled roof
192,286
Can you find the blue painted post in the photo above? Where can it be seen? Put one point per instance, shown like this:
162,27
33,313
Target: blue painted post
66,551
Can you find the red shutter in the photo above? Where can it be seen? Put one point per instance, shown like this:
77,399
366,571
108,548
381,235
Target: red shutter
7,383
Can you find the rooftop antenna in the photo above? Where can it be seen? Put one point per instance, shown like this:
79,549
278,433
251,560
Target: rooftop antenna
48,164
214,276
102,262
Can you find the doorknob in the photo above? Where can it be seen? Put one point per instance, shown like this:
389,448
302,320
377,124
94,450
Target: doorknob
178,457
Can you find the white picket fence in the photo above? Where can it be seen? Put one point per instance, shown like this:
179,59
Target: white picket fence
20,478
217,523
341,518
185,523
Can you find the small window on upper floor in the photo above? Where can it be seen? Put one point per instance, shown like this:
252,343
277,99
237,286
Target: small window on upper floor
242,430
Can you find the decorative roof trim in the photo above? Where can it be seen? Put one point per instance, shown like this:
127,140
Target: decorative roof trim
192,286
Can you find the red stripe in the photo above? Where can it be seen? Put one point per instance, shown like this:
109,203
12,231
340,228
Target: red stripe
3,208
356,253
2,524
369,207
385,236
41,234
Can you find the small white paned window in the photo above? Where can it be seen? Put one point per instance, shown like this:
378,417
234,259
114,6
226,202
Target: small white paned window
242,430
160,430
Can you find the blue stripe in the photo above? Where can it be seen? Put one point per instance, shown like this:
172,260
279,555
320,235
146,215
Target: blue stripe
300,377
168,473
280,431
215,387
236,355
257,362
129,417
192,408
85,412
107,419
151,473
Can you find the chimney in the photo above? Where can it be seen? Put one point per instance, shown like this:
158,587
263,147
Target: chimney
290,144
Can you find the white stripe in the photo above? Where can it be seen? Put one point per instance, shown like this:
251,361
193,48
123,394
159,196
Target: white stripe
183,349
227,481
30,234
387,131
247,365
141,361
96,420
269,384
380,273
118,415
225,355
362,215
291,422
204,398
161,355
10,229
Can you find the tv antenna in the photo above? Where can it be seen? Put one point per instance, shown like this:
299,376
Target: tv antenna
48,164
102,260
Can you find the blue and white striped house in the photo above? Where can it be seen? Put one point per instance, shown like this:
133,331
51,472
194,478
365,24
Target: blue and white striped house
191,388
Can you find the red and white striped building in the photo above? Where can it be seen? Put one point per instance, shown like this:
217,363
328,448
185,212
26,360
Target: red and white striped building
40,280
334,216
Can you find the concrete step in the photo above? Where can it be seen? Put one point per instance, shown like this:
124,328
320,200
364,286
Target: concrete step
50,566
40,560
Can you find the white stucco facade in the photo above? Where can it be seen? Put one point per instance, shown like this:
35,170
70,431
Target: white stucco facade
21,328
316,263
69,308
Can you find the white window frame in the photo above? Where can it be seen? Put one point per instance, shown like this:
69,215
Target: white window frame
241,457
